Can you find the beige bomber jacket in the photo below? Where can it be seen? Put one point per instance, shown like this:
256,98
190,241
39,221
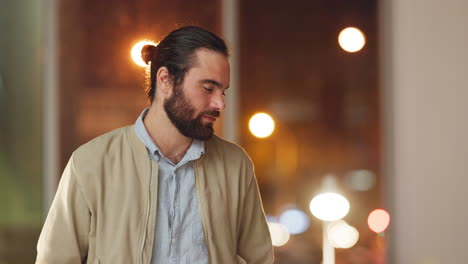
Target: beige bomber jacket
104,210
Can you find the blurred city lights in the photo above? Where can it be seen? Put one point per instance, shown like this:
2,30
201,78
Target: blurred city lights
136,52
279,234
295,221
351,39
271,218
261,125
360,180
378,220
329,206
342,235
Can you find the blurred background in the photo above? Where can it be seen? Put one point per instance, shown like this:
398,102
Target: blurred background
363,99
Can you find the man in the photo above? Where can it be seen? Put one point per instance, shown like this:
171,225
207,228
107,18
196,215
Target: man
165,190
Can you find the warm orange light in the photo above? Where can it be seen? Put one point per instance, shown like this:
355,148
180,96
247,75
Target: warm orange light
351,39
261,125
136,52
378,220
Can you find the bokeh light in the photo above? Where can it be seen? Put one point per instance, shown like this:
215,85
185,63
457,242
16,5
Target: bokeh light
136,52
329,206
360,180
351,39
378,220
271,218
295,221
261,125
279,234
342,235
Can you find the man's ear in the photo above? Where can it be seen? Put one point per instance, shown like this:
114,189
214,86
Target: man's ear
164,81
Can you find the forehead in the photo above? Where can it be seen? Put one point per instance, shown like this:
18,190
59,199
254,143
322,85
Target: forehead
210,65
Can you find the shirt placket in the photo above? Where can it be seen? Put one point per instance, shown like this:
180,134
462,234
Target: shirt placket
172,215
175,182
175,232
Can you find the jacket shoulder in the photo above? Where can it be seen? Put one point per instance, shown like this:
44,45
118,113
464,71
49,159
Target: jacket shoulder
230,151
90,158
102,144
220,144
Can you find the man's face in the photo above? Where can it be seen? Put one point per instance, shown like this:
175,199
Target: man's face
195,104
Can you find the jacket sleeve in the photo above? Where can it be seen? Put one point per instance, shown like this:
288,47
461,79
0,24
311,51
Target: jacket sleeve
64,237
254,244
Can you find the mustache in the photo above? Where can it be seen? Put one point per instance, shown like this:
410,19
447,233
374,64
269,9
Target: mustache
213,113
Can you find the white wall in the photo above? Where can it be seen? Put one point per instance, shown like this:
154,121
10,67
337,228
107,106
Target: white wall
425,81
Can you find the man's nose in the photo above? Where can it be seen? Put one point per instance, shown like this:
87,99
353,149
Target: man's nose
217,102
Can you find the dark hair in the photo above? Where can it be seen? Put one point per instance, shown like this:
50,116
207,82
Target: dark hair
176,52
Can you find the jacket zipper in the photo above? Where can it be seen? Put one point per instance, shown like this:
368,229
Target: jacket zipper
147,216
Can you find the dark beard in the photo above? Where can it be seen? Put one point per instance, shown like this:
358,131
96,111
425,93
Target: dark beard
180,112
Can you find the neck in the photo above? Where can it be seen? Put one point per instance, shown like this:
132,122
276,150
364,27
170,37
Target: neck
165,135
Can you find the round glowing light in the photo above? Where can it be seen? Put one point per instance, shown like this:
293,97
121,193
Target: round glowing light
329,206
279,234
261,125
342,235
295,221
378,220
360,180
351,39
136,52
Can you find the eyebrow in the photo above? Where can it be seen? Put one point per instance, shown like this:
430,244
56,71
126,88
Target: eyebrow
215,83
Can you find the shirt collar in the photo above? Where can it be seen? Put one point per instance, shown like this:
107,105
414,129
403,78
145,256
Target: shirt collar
143,135
196,149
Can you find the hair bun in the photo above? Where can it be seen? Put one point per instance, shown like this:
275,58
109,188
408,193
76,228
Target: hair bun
147,53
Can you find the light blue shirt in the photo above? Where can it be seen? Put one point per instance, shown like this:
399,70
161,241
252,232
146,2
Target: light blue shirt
179,234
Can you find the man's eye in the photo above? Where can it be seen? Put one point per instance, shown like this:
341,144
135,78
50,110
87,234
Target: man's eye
208,89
